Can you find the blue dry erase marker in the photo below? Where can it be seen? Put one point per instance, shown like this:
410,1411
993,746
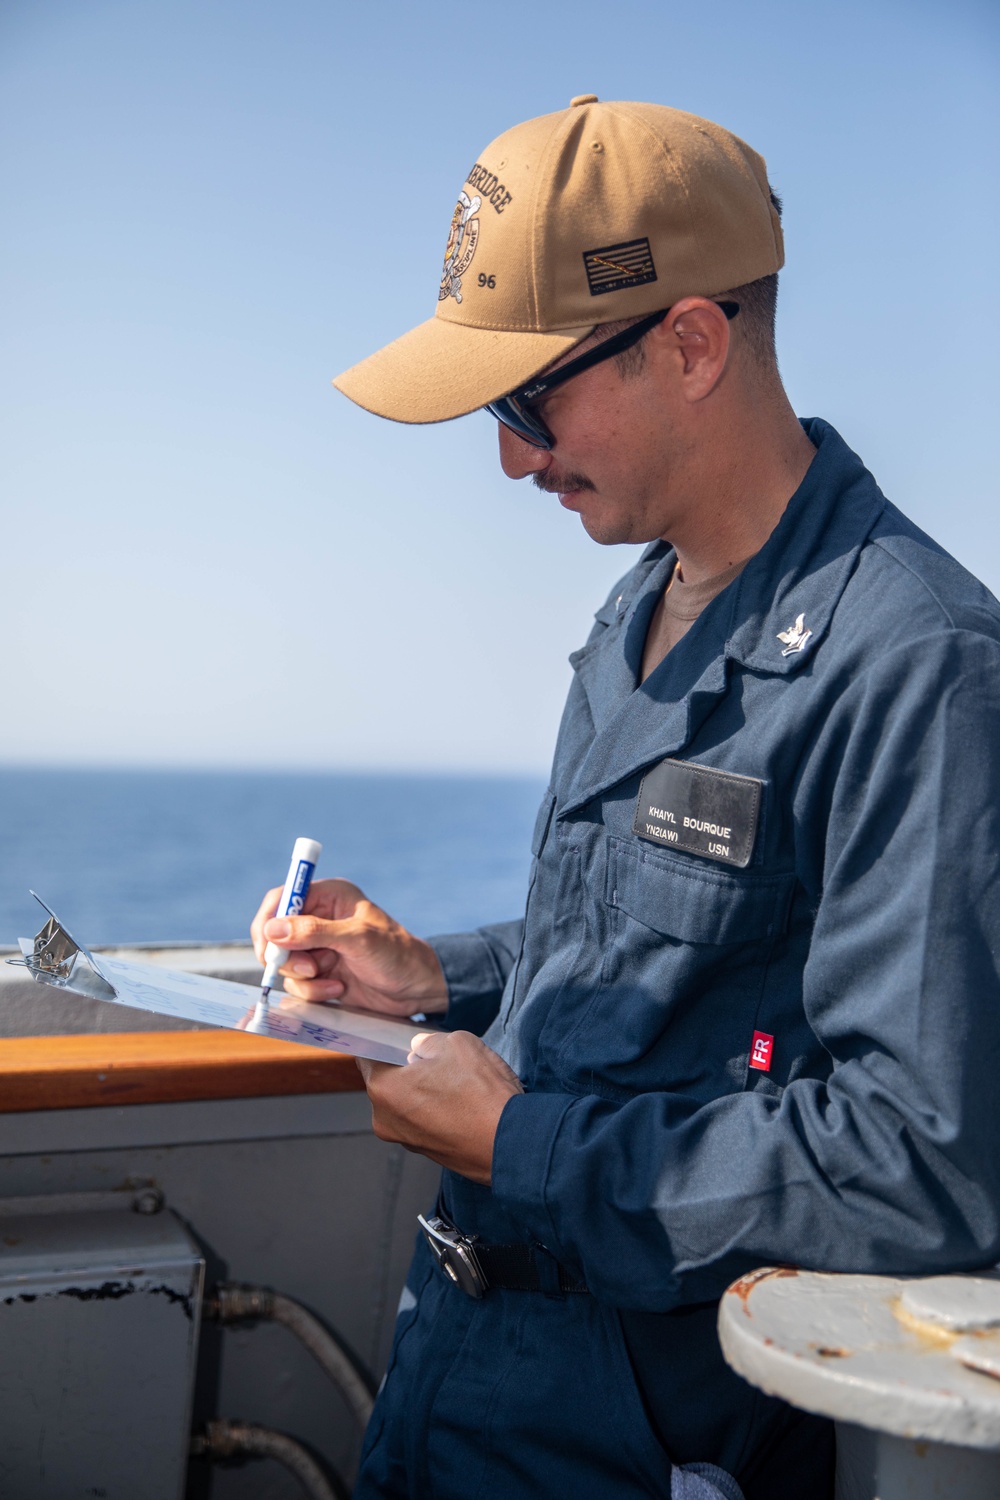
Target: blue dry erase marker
305,856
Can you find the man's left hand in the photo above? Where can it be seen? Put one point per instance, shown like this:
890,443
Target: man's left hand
445,1103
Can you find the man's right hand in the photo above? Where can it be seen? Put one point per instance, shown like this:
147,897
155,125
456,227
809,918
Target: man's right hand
346,949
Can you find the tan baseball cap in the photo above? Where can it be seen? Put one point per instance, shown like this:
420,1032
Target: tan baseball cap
592,214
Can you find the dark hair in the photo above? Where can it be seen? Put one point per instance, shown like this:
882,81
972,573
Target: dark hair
758,305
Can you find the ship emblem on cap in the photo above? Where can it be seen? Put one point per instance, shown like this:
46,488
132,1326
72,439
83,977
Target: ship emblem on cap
795,636
463,237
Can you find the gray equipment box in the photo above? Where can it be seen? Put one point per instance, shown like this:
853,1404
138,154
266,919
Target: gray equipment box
99,1317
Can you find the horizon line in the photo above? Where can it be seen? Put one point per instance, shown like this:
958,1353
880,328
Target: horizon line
268,769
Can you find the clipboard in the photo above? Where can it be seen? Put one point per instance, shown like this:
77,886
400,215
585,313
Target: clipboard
54,957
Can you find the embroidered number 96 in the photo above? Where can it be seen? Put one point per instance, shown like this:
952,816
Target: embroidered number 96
489,281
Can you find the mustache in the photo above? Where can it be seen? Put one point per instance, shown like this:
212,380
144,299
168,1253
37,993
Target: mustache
561,484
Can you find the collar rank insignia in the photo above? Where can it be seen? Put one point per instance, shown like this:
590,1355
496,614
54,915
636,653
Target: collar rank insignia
795,636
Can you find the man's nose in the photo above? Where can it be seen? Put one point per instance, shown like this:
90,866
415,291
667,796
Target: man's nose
518,459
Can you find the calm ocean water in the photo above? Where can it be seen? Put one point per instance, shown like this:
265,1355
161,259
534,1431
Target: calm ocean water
154,856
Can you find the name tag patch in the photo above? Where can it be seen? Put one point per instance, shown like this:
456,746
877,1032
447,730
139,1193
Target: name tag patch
707,812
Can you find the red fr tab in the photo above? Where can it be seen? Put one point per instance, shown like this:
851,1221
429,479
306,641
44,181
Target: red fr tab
760,1051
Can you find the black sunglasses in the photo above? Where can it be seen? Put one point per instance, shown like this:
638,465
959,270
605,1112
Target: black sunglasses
514,410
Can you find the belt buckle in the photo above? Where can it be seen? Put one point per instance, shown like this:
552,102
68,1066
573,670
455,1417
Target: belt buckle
455,1255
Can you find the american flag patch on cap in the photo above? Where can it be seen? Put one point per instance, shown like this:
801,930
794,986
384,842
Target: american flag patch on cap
617,266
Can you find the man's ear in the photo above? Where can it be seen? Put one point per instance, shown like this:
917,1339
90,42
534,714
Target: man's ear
695,336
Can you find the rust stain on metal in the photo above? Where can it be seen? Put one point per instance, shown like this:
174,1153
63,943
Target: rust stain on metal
971,1363
826,1352
745,1285
931,1336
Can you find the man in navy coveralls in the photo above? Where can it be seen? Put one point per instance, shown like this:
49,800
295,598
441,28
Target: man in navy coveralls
751,1014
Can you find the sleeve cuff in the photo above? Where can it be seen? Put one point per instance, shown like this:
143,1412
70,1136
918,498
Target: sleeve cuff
522,1155
475,982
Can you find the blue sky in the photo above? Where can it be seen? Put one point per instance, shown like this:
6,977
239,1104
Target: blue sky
215,205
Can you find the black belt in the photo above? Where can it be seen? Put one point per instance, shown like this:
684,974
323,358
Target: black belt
477,1268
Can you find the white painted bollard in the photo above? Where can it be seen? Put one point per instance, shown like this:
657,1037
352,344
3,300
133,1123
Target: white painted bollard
909,1368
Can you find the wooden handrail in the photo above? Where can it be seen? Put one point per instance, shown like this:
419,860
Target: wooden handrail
161,1067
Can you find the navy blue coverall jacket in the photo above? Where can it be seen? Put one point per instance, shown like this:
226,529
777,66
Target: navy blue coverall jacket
862,935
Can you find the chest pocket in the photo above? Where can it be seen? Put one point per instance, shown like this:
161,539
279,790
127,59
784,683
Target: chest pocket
682,899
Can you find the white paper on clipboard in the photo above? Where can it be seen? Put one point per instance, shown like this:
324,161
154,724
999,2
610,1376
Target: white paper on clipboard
54,957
